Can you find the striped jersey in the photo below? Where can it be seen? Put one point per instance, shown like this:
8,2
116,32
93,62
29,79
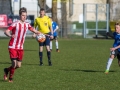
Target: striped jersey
19,29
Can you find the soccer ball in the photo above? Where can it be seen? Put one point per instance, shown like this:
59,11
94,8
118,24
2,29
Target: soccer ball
40,38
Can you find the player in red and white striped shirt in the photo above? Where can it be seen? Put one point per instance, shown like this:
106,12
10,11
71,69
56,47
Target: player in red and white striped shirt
17,33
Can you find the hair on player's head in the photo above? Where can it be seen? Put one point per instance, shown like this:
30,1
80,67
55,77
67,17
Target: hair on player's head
23,9
117,23
42,9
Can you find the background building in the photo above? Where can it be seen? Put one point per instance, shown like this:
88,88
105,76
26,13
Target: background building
33,9
31,5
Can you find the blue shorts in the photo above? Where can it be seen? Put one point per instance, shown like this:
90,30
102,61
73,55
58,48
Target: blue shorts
55,37
46,42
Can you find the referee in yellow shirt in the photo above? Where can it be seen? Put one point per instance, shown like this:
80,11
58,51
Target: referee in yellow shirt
44,25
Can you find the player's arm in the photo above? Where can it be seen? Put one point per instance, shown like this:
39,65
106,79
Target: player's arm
56,28
50,26
114,48
8,32
34,30
51,30
35,25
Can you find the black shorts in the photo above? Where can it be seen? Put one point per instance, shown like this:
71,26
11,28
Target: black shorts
116,53
46,42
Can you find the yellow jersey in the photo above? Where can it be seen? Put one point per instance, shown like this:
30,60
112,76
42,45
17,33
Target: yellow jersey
43,24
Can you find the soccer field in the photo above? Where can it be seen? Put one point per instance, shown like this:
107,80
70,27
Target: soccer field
79,65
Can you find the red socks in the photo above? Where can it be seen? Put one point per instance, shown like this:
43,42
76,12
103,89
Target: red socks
11,70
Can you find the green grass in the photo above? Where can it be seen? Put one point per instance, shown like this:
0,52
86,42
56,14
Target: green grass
91,25
79,65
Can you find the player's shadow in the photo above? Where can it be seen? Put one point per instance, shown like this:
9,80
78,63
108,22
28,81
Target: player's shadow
36,64
90,71
29,64
94,71
29,50
2,81
84,70
5,62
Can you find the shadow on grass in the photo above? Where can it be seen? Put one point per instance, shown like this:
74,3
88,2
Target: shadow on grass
84,70
22,63
36,64
94,71
5,63
29,50
30,64
2,80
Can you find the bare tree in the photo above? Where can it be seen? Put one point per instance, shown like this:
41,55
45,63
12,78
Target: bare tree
64,19
42,3
70,8
114,9
54,10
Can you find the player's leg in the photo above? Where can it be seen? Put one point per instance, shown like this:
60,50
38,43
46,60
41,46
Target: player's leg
11,69
19,59
51,44
41,53
47,43
6,73
112,56
16,63
49,55
19,62
56,43
118,57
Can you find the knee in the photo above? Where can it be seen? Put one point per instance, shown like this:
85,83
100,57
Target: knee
41,49
47,48
112,56
18,66
13,65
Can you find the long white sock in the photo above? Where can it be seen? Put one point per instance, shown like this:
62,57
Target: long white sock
50,44
56,44
109,63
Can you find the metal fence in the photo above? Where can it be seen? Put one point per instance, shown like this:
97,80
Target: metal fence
100,22
90,20
87,20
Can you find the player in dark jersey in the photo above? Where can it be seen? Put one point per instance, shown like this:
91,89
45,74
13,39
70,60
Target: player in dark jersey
115,50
